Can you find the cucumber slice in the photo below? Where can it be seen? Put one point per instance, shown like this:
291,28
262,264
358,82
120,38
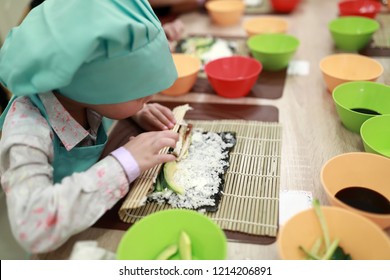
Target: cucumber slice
168,252
185,246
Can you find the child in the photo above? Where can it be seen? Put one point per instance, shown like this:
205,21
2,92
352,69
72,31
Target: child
69,64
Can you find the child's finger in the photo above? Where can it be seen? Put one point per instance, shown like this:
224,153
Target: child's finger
165,142
162,158
166,113
161,119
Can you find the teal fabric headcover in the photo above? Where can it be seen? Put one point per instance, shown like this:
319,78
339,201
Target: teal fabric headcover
92,51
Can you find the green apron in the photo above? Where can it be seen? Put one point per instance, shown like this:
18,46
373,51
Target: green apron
66,162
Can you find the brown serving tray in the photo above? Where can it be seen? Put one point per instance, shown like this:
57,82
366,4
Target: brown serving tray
380,44
270,84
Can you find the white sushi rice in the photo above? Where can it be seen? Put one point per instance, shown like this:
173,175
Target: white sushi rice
198,173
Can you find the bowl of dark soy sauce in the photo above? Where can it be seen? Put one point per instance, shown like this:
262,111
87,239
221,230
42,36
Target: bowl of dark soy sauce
359,101
365,199
359,182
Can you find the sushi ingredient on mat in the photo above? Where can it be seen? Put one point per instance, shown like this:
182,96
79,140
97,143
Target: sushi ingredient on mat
197,181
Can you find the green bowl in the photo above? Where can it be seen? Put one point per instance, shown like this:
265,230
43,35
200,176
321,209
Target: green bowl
352,33
375,134
358,101
148,237
274,51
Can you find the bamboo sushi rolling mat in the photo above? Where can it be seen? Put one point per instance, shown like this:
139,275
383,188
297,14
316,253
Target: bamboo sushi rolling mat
250,201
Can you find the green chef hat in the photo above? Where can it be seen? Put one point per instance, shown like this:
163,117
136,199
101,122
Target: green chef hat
92,51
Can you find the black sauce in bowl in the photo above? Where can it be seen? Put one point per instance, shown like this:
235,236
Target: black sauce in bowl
366,111
364,199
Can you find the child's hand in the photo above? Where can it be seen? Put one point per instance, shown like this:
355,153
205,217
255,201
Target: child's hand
146,146
174,30
155,117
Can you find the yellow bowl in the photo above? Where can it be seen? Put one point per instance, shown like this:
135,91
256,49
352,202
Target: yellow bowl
346,67
267,24
225,12
357,169
187,67
359,237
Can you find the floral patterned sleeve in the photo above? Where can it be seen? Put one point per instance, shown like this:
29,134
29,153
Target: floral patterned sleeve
44,215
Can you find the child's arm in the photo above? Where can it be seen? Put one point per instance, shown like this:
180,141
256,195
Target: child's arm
154,117
44,215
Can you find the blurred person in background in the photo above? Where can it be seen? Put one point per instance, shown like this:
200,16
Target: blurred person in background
166,11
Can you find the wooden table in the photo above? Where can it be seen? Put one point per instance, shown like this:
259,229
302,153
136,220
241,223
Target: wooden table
312,132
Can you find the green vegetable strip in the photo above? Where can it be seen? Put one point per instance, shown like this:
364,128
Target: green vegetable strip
321,218
332,248
158,186
308,254
316,247
160,183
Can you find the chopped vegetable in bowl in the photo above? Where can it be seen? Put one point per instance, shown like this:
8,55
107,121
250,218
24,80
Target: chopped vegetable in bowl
330,250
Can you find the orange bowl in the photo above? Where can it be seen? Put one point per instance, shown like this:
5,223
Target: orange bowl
225,12
267,24
187,67
359,237
357,169
346,67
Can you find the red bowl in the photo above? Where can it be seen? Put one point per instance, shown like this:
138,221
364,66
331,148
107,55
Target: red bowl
284,6
365,8
233,76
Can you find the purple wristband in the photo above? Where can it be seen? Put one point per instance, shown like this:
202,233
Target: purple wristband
128,163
